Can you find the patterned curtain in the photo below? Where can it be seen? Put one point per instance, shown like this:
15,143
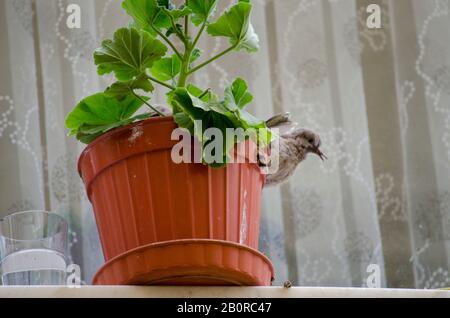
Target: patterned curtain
379,98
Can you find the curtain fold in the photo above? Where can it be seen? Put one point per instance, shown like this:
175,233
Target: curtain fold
379,98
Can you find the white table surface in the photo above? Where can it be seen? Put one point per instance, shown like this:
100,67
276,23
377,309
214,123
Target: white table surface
209,292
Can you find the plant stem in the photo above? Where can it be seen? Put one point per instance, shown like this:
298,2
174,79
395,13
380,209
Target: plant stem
179,34
150,106
204,93
195,69
184,74
160,82
165,38
186,21
199,34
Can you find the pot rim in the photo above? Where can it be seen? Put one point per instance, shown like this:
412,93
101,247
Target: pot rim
119,130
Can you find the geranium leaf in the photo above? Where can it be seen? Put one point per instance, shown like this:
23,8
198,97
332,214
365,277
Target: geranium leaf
148,14
235,25
101,110
120,90
237,95
201,10
182,101
178,13
167,68
128,54
184,121
196,53
87,134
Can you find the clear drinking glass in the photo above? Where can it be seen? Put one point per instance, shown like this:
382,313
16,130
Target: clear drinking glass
33,248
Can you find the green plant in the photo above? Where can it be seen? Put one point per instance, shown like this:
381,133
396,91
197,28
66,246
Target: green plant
139,57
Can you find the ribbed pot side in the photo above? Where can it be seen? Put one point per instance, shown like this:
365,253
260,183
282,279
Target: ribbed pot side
141,196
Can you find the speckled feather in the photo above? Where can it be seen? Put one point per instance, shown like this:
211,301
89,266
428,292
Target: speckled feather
294,146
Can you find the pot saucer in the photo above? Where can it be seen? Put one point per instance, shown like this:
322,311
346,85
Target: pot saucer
194,262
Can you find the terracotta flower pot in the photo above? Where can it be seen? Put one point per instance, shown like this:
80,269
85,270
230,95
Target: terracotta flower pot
146,205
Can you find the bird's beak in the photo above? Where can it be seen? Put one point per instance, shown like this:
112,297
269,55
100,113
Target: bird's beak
317,151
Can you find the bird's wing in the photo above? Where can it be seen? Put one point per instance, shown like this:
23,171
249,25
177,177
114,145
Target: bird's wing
282,122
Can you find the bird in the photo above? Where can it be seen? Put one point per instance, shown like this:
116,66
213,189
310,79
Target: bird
294,145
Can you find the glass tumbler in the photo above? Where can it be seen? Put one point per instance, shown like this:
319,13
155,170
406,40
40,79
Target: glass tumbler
33,248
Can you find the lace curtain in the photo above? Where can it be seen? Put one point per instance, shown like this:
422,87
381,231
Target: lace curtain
379,98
